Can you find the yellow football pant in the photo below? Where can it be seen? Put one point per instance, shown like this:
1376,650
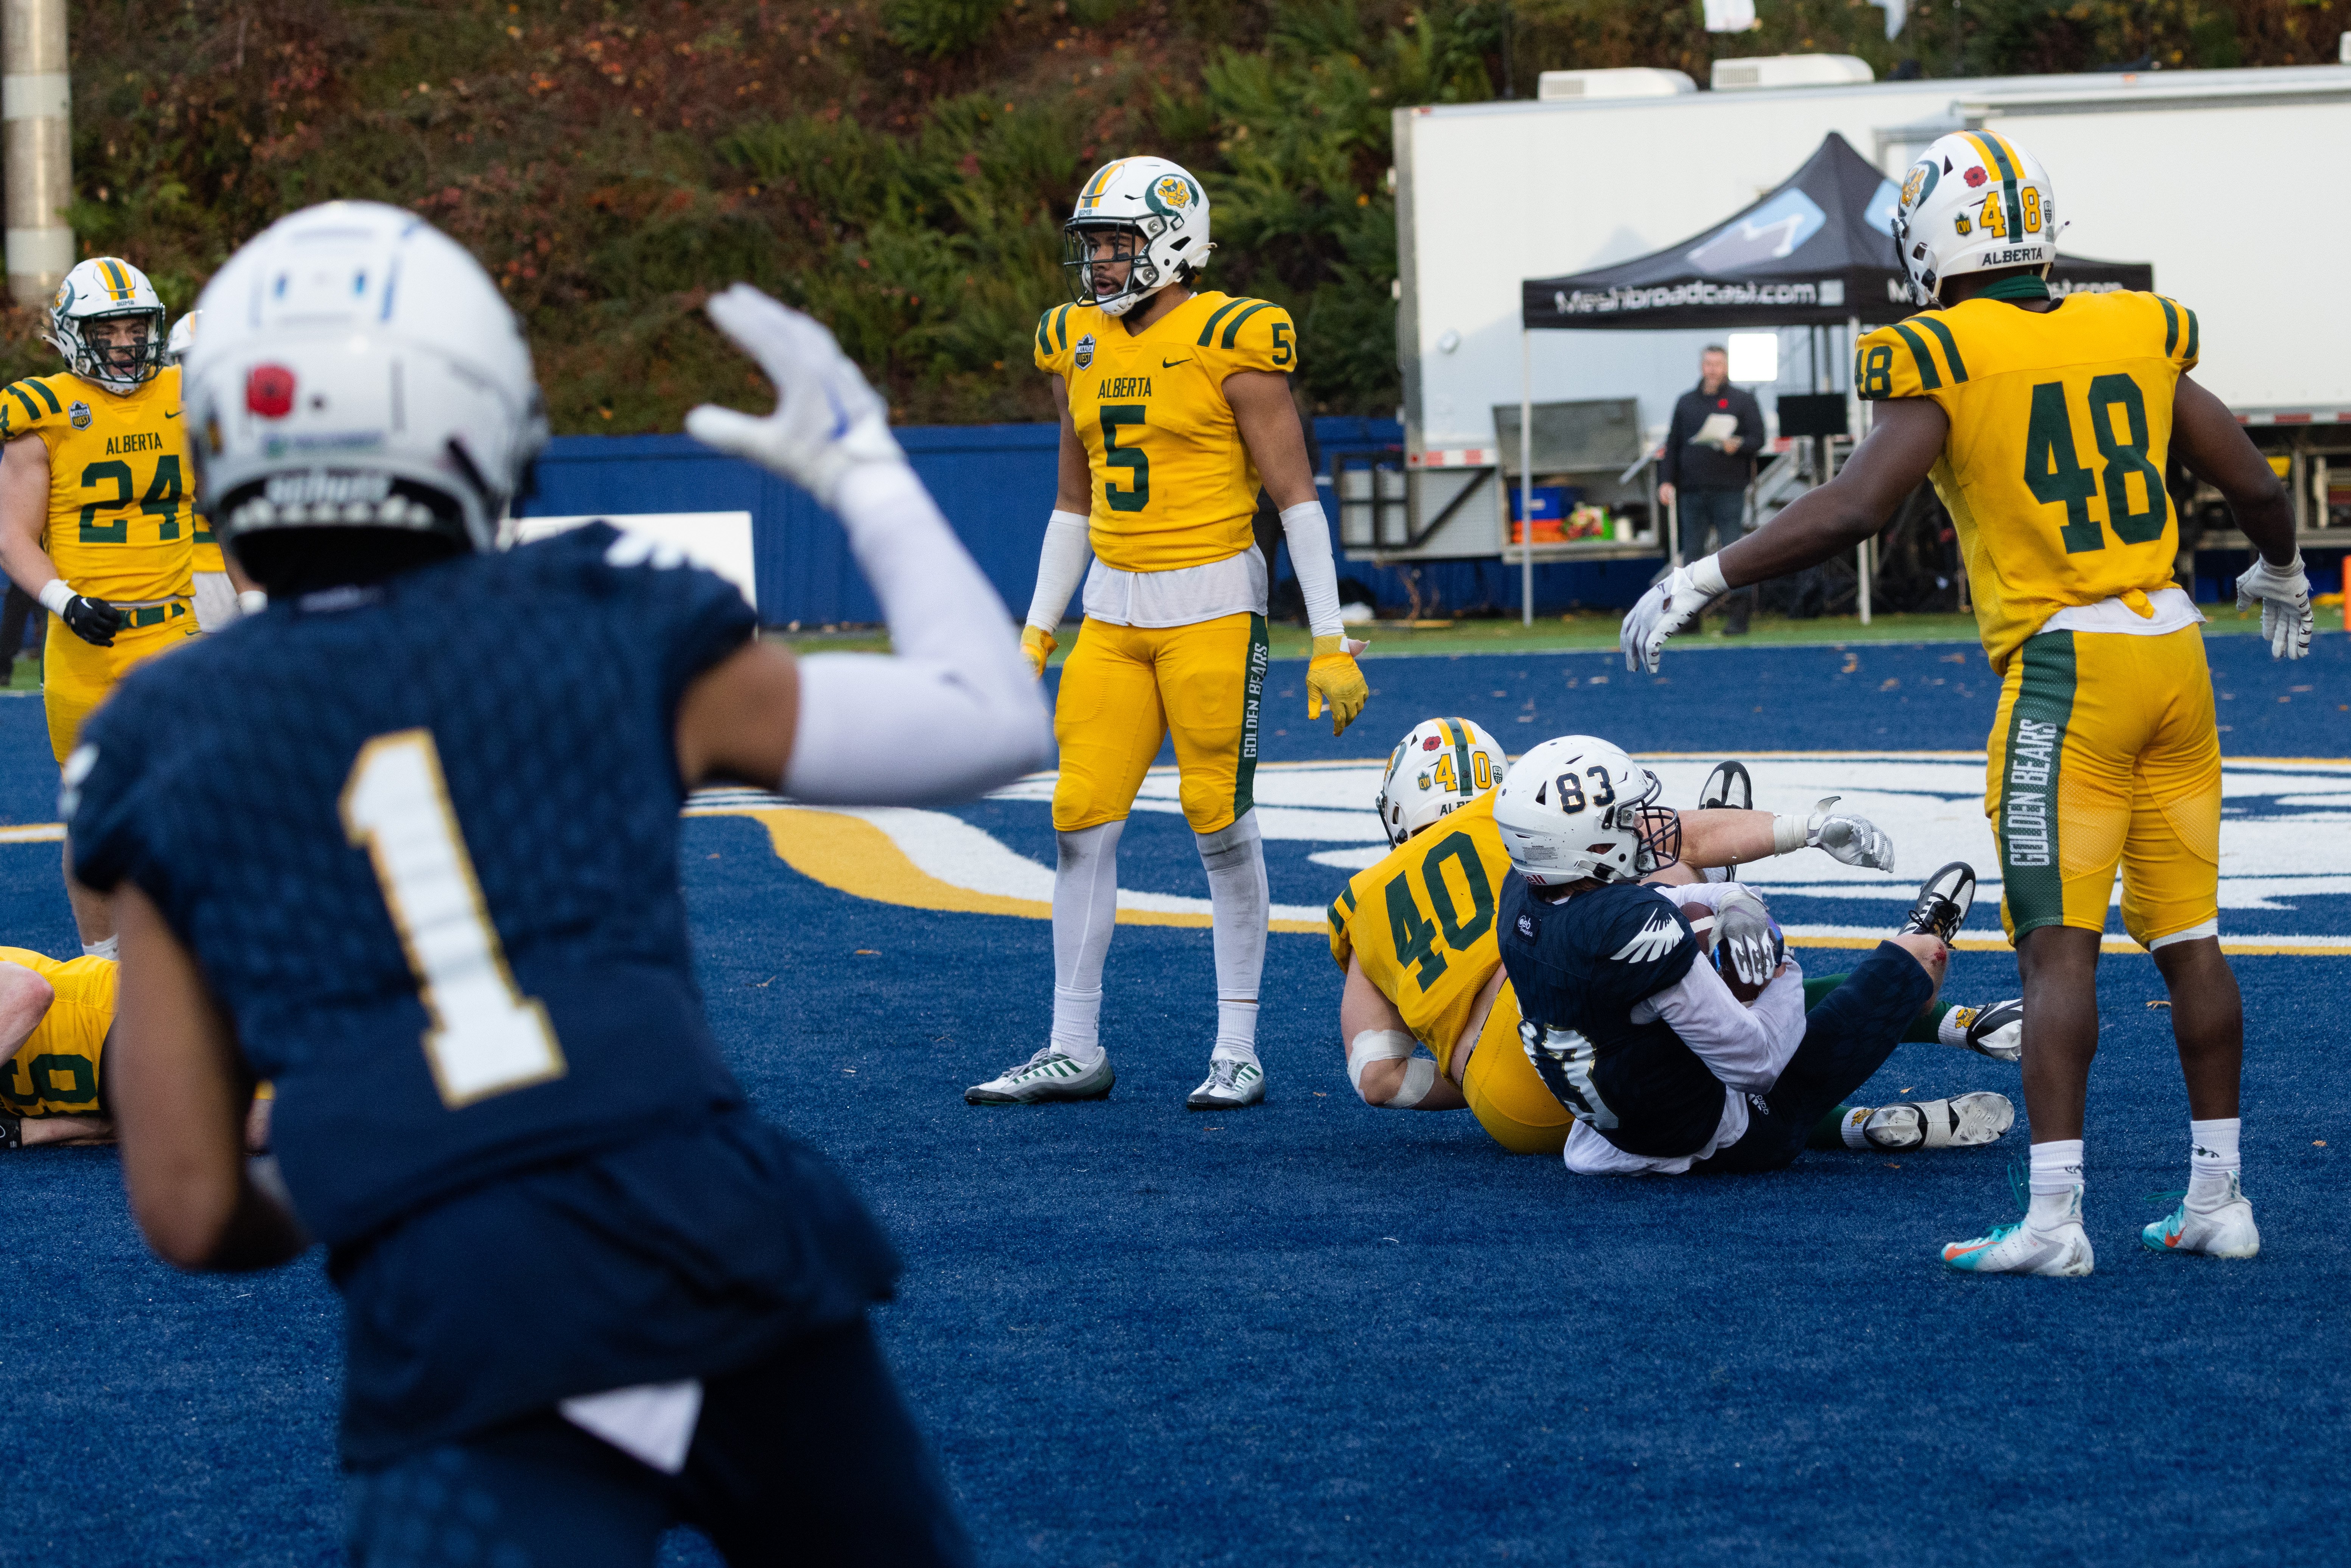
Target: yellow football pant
76,675
1505,1093
1125,688
2105,754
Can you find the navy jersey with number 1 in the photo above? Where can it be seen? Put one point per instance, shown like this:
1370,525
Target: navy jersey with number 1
422,839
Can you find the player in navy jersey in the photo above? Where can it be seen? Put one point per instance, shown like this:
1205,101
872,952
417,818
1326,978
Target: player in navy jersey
405,845
1664,1066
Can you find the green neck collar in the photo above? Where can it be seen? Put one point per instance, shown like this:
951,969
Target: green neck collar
2018,290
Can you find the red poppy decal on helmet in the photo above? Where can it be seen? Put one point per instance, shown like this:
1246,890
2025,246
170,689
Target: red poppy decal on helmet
1431,744
269,392
1976,175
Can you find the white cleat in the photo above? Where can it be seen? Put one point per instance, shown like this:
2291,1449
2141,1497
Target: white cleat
1048,1075
2062,1251
2222,1229
1231,1083
1962,1121
1997,1031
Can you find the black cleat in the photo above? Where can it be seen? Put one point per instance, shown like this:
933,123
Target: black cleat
1944,900
1727,787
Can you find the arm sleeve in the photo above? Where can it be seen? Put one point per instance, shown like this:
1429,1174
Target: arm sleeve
953,714
1746,1047
1309,533
1060,565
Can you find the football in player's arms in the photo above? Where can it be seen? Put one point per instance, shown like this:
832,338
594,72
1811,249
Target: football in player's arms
1634,1031
1415,937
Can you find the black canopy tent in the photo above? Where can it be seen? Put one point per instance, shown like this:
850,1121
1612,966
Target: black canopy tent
1816,250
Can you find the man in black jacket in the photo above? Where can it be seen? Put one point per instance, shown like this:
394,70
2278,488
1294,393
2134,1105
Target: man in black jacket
1708,474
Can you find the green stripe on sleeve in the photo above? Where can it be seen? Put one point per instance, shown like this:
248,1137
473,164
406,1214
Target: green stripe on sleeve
1043,345
1061,326
2031,762
2189,352
1347,897
32,411
1234,329
2170,326
48,396
1227,308
1928,379
1950,347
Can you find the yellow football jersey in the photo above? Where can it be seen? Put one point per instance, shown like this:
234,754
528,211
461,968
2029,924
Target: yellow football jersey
205,554
2061,422
120,494
1421,923
55,1072
1173,483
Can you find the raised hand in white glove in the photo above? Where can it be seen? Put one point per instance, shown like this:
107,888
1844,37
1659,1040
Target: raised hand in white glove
1666,607
2284,595
1855,841
1747,945
827,420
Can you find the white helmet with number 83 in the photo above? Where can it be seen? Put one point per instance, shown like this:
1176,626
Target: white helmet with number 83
1577,806
1442,766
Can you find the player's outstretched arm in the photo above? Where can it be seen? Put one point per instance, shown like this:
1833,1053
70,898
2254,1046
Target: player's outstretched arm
1719,838
1269,424
1905,437
179,1099
2207,438
954,712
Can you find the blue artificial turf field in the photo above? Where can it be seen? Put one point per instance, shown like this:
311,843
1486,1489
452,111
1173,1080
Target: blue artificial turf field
1314,1333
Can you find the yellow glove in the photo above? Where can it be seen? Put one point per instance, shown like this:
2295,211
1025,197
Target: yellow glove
1038,644
1333,679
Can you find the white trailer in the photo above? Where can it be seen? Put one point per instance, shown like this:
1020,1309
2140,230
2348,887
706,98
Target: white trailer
2220,179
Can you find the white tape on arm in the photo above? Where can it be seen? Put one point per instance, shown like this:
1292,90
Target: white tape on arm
55,595
1706,573
1060,565
1419,1077
1376,1045
1309,534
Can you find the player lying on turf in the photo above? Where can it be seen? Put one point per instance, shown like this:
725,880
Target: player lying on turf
406,843
2047,427
1416,937
55,1016
1666,1063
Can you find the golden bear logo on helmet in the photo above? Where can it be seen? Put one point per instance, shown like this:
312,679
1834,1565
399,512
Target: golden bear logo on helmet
1924,177
1171,194
65,295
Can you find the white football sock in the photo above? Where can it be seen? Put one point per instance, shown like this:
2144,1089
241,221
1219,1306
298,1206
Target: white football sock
1240,906
2211,1156
2056,1183
1085,912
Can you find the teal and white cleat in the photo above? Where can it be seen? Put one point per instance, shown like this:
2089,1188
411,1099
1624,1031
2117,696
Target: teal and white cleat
2062,1251
2222,1229
1046,1076
1231,1083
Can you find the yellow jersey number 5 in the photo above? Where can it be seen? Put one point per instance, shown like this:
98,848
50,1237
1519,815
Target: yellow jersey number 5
1135,493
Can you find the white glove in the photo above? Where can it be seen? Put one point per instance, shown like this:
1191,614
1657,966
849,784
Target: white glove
1855,841
827,420
1666,607
1748,944
2285,593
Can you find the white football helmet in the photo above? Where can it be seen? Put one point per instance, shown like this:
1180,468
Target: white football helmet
1161,206
1578,807
105,289
360,370
183,332
1442,766
1974,202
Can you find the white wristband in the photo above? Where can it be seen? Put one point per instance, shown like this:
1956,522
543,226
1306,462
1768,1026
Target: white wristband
1706,576
252,601
55,595
1375,1045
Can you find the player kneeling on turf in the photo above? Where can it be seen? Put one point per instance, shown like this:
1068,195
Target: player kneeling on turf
1415,936
1661,1066
406,843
